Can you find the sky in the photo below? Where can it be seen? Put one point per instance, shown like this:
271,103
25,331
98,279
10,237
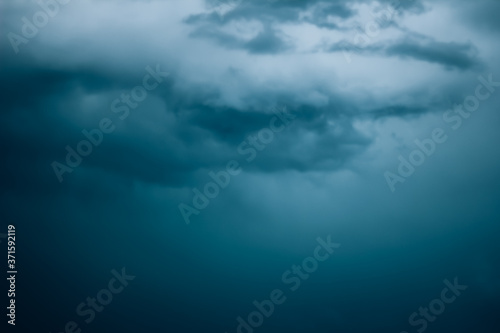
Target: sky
218,151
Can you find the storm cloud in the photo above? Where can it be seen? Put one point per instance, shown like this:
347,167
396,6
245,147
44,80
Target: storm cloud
357,101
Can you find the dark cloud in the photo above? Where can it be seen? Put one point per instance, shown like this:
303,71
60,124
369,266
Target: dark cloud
398,111
268,41
54,116
451,55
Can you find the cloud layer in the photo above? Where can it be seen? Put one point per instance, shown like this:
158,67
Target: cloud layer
363,79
